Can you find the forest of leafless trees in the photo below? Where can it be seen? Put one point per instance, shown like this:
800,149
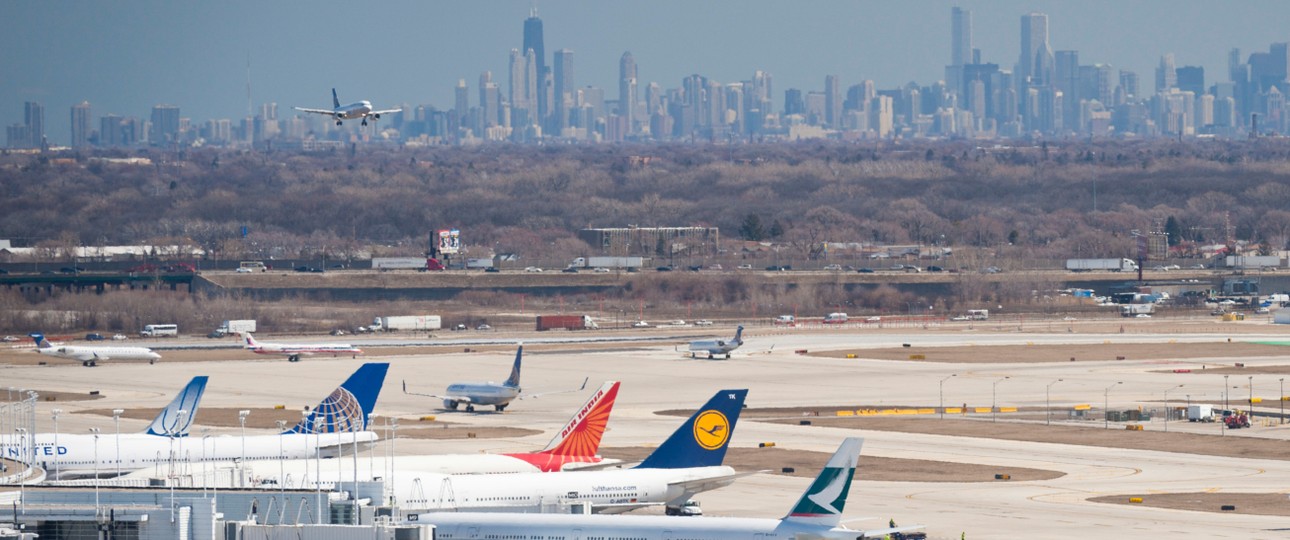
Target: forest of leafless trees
1050,200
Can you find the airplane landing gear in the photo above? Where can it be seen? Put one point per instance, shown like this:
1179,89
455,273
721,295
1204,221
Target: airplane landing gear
293,358
501,408
89,363
470,408
364,121
338,122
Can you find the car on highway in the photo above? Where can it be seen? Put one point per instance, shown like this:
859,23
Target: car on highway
71,270
744,267
491,270
9,339
703,322
94,336
570,270
533,270
243,270
601,270
663,269
934,268
483,326
640,324
833,267
865,271
119,337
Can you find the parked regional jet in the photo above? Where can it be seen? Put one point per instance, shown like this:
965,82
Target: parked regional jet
717,346
172,421
361,109
489,393
89,355
687,463
817,515
293,351
332,427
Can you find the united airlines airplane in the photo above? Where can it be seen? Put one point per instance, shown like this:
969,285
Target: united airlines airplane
489,393
817,515
340,420
89,356
361,109
687,463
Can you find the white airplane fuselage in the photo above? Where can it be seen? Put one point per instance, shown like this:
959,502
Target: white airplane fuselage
463,525
86,353
484,393
75,454
354,111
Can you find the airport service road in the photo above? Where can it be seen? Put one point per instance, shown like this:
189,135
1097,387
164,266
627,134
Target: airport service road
657,377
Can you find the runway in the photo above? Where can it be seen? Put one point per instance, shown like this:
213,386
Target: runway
656,377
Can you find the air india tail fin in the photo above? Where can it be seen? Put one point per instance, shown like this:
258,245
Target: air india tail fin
177,417
514,379
335,101
348,407
581,436
702,440
823,501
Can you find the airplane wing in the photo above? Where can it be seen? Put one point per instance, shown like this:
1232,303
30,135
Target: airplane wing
327,112
691,487
459,399
534,396
386,111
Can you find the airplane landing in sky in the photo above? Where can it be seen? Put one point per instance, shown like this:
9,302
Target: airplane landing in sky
360,110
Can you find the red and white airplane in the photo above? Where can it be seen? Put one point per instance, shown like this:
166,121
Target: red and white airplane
361,109
293,351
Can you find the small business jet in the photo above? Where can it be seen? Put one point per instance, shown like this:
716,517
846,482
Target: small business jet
361,109
293,351
89,355
716,347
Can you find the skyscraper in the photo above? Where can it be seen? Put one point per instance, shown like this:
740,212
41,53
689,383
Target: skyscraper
1034,37
563,89
533,41
627,89
34,114
165,124
81,124
960,37
1166,74
832,102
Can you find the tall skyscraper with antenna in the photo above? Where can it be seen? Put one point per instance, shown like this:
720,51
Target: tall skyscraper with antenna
533,41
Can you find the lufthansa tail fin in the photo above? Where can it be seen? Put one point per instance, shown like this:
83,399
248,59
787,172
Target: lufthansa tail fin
335,101
514,379
177,417
702,440
41,342
581,436
823,502
347,408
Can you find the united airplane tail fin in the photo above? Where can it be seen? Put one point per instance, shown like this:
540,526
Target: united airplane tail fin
347,408
514,379
581,436
41,342
177,417
702,440
822,503
335,101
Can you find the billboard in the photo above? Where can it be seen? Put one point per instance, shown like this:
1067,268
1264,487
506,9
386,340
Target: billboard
449,241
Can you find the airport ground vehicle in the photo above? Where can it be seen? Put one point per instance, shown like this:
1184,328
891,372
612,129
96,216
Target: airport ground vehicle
567,322
252,266
1200,413
978,314
835,318
405,322
1133,310
1101,265
1236,420
406,263
234,327
160,330
785,320
608,262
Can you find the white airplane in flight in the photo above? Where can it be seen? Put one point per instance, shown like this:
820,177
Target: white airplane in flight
489,393
334,426
687,463
817,515
716,347
361,109
293,351
89,355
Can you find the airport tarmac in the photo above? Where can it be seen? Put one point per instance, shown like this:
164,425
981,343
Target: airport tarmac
656,377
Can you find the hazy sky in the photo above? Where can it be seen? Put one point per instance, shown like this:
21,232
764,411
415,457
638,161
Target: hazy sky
124,57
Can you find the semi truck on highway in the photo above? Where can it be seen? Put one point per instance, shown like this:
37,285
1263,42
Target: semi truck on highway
406,263
608,262
1101,265
235,327
405,322
567,322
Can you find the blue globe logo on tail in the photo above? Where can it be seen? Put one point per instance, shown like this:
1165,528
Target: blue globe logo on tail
711,429
338,413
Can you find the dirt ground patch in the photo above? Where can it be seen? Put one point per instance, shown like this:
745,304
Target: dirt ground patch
55,396
807,464
1116,437
445,431
1264,504
268,419
1098,352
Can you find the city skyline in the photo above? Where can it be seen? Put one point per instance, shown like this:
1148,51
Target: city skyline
281,73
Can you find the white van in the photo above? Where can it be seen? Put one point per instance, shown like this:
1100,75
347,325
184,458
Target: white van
785,320
160,330
835,318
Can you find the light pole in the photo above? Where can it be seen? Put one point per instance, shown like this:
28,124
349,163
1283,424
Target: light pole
1281,398
318,469
1106,405
282,472
1167,405
95,432
1251,402
206,433
241,420
116,419
56,413
1048,404
941,391
27,459
371,454
183,415
994,392
1225,387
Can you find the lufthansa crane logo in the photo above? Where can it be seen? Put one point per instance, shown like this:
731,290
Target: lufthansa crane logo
711,430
